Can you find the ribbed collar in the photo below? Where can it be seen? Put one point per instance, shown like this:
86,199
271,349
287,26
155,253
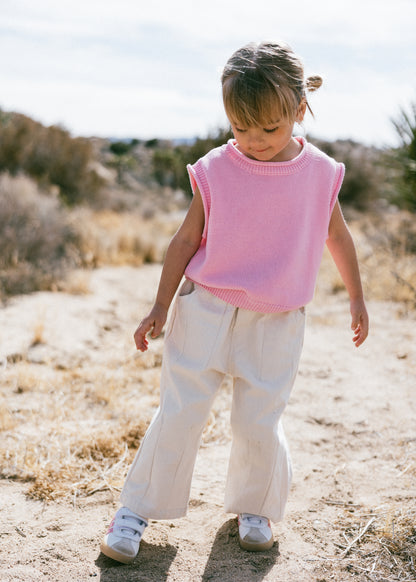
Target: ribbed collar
270,168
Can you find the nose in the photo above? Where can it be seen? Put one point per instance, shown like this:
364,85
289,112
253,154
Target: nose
255,137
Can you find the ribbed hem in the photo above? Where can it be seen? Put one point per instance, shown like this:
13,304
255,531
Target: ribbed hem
241,300
271,168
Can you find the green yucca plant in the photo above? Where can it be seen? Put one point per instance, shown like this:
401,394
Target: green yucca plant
405,157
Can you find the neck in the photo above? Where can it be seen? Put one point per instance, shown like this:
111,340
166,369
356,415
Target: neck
291,151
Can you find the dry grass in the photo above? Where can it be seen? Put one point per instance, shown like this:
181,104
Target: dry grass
38,331
112,238
82,465
387,252
7,419
77,282
74,432
386,248
378,545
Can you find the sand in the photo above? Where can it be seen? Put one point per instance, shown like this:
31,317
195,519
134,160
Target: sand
350,425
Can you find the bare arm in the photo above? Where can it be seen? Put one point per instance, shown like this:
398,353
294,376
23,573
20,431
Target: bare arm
342,249
181,249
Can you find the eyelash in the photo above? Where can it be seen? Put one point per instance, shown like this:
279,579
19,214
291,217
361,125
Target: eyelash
265,130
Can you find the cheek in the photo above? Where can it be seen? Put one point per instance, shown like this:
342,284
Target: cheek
241,141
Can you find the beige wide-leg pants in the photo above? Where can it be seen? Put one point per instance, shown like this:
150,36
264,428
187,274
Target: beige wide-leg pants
207,338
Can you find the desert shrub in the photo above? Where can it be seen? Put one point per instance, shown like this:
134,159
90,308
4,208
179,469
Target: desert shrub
37,243
169,161
168,167
365,174
49,155
123,160
404,159
152,143
120,148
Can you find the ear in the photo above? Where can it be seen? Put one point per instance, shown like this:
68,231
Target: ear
301,111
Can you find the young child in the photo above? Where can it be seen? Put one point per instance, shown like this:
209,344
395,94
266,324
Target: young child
264,205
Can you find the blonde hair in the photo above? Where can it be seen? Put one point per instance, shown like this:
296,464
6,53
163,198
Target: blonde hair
264,80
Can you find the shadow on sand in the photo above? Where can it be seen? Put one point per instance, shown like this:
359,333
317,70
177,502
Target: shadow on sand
227,561
152,565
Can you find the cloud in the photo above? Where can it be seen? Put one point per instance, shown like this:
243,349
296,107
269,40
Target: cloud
347,22
147,69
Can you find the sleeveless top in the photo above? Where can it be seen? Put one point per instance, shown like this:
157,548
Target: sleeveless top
266,224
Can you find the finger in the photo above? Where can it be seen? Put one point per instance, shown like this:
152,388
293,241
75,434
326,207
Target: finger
141,344
140,335
157,329
358,342
360,336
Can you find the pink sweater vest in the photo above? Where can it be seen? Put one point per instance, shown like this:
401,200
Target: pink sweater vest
266,224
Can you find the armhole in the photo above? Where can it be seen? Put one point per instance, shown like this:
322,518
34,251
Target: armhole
339,177
202,185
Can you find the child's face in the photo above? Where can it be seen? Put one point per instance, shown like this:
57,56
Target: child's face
265,144
271,143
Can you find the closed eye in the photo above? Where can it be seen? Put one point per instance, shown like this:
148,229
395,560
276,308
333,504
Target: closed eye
265,129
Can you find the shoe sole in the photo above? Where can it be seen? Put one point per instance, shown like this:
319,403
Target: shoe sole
254,546
114,555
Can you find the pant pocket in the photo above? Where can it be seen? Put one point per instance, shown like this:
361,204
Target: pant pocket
187,288
198,323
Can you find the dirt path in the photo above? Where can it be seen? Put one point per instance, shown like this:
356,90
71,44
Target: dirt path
350,425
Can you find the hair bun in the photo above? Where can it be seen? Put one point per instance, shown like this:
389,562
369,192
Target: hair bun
313,83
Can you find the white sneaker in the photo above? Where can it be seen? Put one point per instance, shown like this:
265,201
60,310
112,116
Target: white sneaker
255,533
122,540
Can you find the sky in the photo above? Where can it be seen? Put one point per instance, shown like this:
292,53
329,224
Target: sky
151,68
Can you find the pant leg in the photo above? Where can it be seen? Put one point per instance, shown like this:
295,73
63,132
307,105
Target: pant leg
159,481
259,472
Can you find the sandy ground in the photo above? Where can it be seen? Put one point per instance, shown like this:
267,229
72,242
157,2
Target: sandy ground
350,425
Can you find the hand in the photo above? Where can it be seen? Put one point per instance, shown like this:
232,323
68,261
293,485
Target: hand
153,322
359,321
